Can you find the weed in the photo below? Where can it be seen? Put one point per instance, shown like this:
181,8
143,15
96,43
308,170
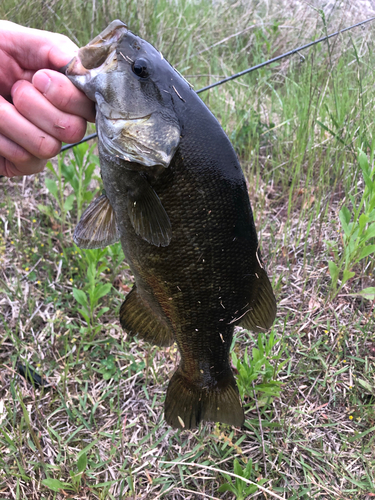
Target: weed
109,368
358,231
79,172
261,365
76,477
239,487
76,173
94,290
56,187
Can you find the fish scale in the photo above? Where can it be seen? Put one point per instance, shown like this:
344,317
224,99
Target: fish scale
182,212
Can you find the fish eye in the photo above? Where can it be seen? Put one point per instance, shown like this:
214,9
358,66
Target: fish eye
140,68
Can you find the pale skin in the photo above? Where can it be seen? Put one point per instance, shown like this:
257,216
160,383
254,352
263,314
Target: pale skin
39,107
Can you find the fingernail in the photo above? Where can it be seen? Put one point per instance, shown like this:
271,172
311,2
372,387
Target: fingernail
41,81
15,87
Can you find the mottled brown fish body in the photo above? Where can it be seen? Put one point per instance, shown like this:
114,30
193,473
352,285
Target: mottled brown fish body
197,271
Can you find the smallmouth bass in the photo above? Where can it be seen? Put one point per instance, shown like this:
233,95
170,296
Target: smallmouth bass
176,198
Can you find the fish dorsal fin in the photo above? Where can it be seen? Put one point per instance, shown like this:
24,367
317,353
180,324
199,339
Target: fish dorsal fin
262,307
97,227
137,318
147,214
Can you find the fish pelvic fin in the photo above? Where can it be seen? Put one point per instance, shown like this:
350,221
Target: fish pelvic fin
137,318
97,227
262,307
186,405
148,216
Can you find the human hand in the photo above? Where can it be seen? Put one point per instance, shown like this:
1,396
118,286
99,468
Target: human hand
47,109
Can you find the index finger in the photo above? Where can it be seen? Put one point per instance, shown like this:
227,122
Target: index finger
61,92
36,49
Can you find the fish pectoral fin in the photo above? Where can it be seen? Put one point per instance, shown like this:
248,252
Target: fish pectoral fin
147,215
262,306
186,405
97,227
137,318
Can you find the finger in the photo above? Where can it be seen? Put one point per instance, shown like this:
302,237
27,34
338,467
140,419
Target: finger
16,161
36,49
18,129
60,91
40,112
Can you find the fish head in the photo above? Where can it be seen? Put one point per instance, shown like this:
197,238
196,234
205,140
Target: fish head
130,82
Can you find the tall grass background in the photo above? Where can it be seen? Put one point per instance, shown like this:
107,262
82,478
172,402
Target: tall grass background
299,127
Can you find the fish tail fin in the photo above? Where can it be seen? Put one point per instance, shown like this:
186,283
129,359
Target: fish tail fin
187,405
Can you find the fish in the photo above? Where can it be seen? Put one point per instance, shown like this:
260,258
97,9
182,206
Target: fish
176,197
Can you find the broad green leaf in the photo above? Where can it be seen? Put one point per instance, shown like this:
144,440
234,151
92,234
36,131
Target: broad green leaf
363,161
88,196
50,167
370,233
367,293
56,484
346,275
101,312
334,270
102,290
68,204
88,174
52,187
67,171
79,153
371,215
91,271
85,315
102,268
269,389
82,462
248,469
363,219
368,387
366,251
250,490
345,216
226,487
237,468
80,297
75,184
260,345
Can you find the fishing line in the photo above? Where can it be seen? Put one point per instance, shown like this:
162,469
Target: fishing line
248,70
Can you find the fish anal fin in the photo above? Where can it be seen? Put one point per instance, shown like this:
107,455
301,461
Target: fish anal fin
148,216
262,305
137,318
186,405
97,227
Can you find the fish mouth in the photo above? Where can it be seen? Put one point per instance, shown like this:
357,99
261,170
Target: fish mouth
101,51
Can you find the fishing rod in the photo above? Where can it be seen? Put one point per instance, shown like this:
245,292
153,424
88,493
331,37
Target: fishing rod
248,70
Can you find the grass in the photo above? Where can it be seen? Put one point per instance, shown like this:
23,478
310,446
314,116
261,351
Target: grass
97,431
